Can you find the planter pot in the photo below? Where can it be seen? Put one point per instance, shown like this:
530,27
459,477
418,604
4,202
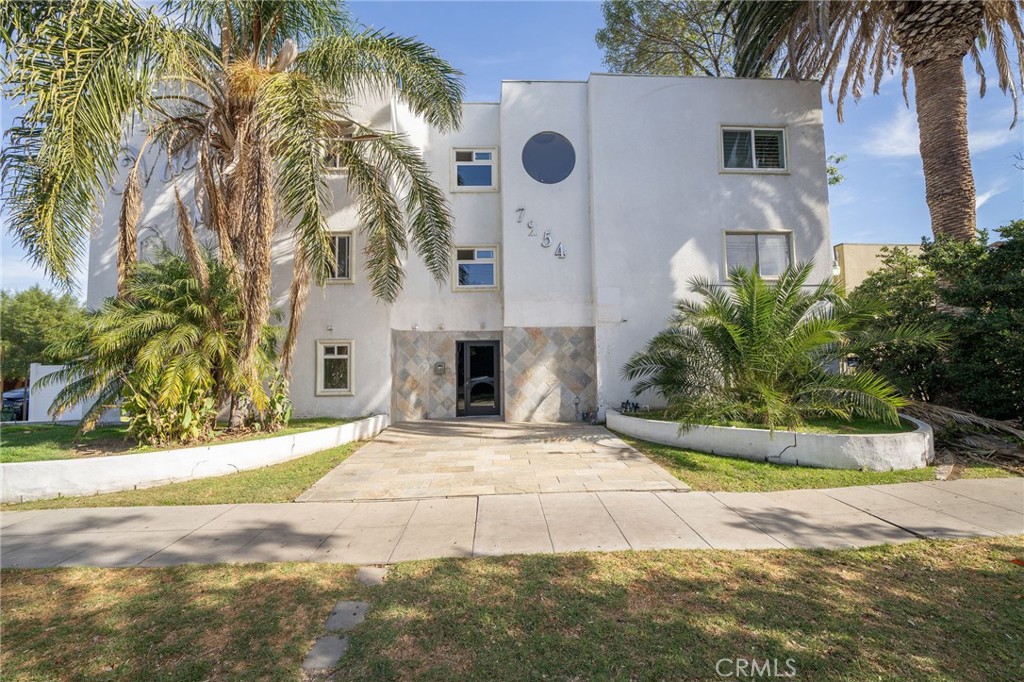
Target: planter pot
872,452
24,481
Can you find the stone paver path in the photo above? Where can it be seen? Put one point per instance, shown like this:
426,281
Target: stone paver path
388,532
416,460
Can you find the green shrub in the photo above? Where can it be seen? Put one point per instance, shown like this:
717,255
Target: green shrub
166,353
976,291
763,352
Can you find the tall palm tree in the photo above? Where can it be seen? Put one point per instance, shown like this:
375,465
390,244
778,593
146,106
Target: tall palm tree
256,92
763,352
855,40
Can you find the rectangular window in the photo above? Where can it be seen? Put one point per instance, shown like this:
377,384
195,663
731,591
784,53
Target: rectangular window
334,368
474,169
337,134
341,262
753,149
476,268
767,253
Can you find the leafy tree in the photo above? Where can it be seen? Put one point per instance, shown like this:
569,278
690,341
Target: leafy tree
258,92
858,40
31,320
166,353
761,352
833,168
976,291
665,38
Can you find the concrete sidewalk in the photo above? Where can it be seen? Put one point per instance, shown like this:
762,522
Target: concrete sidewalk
387,532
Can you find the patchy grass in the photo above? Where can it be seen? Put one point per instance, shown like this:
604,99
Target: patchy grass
36,442
925,611
276,483
857,425
702,471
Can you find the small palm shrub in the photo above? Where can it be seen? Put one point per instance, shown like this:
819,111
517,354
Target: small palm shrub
166,353
766,353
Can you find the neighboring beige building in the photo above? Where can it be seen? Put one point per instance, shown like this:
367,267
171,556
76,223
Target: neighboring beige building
857,261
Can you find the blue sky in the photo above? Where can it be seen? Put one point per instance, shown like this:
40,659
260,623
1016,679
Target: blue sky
881,199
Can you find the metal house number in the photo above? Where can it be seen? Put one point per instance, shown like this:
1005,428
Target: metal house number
545,240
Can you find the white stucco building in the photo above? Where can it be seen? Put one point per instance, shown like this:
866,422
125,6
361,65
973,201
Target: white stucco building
583,209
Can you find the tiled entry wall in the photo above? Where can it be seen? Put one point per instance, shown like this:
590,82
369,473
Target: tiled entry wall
545,369
418,393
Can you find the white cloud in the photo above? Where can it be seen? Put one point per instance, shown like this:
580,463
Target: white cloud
899,136
998,187
896,138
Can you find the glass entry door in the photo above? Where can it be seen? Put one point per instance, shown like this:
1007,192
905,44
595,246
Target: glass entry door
478,380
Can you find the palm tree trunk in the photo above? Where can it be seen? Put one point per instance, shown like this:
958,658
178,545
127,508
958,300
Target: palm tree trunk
299,295
940,94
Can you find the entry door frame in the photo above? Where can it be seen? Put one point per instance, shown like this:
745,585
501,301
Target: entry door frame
464,370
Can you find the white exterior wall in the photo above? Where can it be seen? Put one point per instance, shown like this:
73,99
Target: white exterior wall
644,209
661,204
540,289
424,304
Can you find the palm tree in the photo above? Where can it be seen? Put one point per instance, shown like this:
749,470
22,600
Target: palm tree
762,352
855,40
165,352
258,92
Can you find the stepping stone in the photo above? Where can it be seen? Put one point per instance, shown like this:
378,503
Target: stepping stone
371,575
326,653
346,615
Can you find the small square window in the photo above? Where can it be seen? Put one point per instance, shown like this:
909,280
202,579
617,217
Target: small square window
753,149
337,135
476,269
341,261
767,253
474,170
334,368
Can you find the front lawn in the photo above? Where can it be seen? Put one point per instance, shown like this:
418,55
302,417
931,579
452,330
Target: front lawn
35,442
930,611
276,483
718,473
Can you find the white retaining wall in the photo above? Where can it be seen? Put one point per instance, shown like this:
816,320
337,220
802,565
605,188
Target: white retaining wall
24,481
873,452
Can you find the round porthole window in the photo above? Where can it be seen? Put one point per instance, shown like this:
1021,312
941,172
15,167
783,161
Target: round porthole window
548,157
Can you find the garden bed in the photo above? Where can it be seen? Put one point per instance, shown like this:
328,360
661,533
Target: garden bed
872,451
24,481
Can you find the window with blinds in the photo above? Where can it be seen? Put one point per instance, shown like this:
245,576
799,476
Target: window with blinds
767,253
753,149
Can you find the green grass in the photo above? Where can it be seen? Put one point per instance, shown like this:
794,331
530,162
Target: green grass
946,611
277,483
857,425
36,442
702,471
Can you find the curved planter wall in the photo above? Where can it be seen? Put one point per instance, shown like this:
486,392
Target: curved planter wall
873,452
24,481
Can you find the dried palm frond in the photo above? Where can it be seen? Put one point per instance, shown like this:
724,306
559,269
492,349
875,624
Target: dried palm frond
127,227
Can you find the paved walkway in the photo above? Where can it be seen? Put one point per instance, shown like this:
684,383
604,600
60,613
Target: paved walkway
428,459
386,532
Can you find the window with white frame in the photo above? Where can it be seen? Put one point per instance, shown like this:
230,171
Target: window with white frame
341,257
337,134
766,253
753,149
474,169
476,267
334,367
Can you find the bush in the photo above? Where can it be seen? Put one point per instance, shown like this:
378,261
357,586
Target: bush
976,291
763,352
166,352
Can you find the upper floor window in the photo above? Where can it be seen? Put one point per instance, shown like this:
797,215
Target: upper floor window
337,133
766,253
753,149
341,261
476,267
474,169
